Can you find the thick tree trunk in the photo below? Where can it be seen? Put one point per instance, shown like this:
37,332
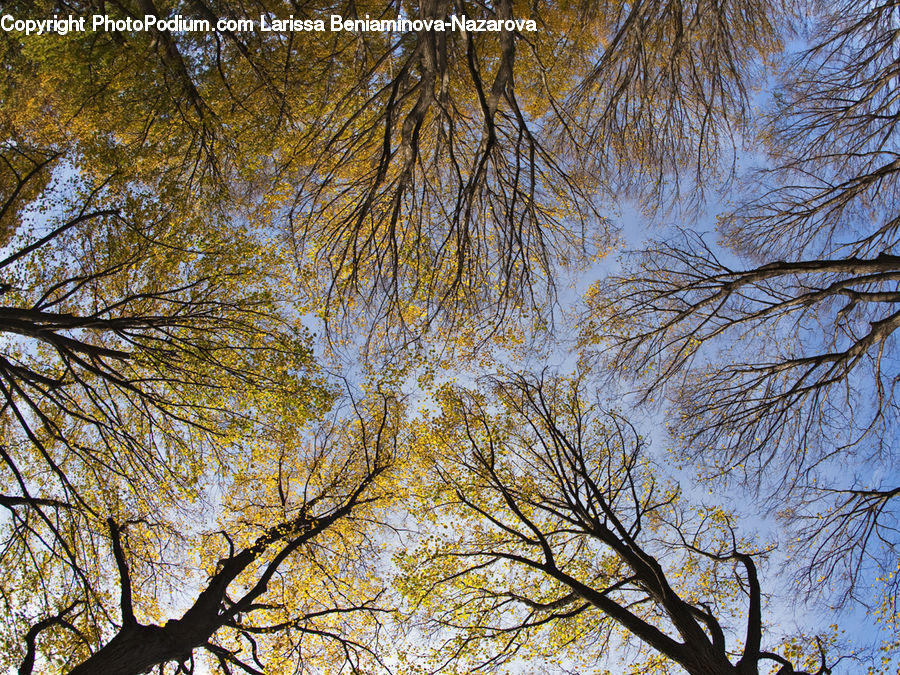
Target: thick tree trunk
701,663
136,649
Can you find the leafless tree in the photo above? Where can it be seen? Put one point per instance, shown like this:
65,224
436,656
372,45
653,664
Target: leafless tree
783,364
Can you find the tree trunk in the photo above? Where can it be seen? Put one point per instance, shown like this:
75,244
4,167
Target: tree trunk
136,648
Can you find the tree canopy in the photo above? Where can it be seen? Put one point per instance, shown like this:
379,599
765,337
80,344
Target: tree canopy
313,357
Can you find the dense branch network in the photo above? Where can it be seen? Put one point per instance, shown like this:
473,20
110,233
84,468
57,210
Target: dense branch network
175,205
565,538
783,364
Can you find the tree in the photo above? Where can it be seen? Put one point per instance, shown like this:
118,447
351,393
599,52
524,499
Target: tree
250,613
669,92
561,537
804,323
437,180
165,195
151,382
268,590
429,183
123,330
480,160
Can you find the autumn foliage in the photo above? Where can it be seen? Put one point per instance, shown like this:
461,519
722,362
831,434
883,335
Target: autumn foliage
315,358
